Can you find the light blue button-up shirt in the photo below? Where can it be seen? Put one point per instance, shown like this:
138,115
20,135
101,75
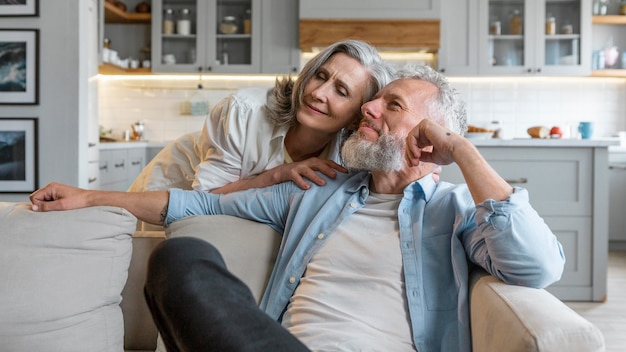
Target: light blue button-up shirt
442,232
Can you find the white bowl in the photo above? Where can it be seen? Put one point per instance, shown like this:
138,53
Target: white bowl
479,135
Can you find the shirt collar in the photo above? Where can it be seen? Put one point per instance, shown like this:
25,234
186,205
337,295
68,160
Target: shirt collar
423,188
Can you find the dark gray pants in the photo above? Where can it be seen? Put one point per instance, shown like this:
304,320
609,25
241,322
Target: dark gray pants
198,305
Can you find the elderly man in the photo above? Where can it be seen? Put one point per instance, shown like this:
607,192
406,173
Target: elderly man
376,260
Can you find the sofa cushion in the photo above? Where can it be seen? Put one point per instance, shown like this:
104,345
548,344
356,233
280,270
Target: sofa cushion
61,277
249,248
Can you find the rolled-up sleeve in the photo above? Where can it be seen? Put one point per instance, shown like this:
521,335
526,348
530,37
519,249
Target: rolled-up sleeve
513,242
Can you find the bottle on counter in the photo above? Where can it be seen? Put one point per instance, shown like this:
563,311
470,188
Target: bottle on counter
168,21
496,127
183,24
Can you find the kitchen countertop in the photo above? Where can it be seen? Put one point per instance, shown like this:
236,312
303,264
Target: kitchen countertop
612,143
131,144
546,142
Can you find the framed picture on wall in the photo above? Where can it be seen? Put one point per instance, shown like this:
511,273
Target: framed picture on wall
19,7
18,155
19,66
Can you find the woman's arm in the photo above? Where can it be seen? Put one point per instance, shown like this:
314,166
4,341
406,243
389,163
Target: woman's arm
296,172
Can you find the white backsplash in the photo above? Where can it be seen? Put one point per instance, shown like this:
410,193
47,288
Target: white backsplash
518,103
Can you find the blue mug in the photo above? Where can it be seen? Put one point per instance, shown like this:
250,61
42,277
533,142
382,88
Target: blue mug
586,129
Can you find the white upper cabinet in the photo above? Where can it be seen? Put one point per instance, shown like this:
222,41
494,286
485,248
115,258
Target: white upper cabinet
219,36
516,37
534,37
458,54
279,37
361,9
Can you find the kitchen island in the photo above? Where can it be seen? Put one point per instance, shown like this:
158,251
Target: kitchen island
567,180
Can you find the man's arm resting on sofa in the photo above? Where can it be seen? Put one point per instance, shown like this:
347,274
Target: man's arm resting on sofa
147,206
515,318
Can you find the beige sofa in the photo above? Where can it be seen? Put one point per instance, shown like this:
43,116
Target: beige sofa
63,272
503,317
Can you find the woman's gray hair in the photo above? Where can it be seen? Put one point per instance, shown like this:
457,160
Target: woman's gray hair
447,107
284,100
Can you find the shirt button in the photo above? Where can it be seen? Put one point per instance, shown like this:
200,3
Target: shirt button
363,191
320,236
353,205
292,280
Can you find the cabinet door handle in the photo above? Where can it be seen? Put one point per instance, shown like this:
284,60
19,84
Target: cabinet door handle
519,180
104,167
209,68
119,165
617,167
92,179
135,163
530,70
443,70
539,70
91,144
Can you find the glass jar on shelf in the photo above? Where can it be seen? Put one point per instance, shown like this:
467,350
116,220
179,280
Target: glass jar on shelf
228,25
550,25
515,22
247,22
183,24
168,21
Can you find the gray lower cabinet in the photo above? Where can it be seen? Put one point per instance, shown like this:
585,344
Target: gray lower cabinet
617,208
568,187
120,167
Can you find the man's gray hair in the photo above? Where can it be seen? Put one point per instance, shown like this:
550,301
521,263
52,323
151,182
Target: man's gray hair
447,107
285,99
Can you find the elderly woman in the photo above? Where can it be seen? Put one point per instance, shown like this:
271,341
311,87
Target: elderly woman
258,137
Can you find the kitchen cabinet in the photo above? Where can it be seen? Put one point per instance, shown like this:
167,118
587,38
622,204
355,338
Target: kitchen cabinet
279,37
209,44
472,46
513,38
120,166
458,54
617,199
568,186
361,9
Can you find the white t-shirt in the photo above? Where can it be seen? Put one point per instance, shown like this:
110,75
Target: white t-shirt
352,296
238,141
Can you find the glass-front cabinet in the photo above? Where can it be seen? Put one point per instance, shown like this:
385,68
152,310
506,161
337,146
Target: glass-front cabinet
216,36
534,37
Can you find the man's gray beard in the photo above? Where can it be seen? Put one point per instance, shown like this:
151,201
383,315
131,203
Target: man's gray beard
386,154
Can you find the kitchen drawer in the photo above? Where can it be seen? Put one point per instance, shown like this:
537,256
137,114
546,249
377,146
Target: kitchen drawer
574,234
136,162
113,166
559,180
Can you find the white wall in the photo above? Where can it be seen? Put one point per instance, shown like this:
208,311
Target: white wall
58,108
518,103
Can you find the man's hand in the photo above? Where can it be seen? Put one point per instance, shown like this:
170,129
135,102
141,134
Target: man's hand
431,142
56,196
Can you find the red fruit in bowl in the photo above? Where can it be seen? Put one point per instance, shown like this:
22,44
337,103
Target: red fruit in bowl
556,132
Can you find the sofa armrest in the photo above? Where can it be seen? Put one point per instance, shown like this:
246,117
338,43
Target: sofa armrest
514,318
140,333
